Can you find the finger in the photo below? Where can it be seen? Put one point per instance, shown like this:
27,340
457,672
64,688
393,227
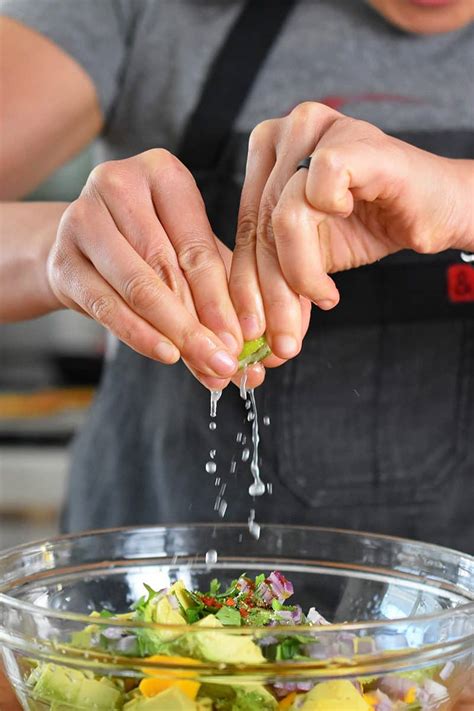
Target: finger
281,303
120,188
255,375
82,287
348,163
244,282
299,133
181,210
272,361
149,297
208,381
299,230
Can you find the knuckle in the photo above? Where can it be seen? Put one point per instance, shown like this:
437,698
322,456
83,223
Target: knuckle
303,284
246,229
57,266
265,235
190,336
160,160
141,291
305,112
328,159
196,257
422,241
283,220
163,268
73,218
111,177
103,308
263,132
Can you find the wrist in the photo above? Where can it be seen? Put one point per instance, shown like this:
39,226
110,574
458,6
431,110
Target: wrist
28,231
462,175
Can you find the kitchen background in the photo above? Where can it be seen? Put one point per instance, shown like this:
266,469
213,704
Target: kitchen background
48,370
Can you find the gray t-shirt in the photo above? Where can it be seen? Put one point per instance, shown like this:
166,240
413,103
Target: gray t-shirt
148,59
372,426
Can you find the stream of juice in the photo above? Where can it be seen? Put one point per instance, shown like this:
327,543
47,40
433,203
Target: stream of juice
257,487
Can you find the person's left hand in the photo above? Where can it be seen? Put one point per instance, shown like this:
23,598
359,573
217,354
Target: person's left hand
365,195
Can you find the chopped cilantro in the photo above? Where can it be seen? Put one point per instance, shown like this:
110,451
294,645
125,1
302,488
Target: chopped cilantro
258,617
193,614
214,587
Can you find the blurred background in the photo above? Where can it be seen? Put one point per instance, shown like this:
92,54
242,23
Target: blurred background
48,370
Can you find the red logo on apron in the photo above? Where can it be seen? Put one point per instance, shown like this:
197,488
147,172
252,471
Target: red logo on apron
460,283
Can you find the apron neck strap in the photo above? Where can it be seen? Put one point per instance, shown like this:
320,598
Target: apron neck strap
229,80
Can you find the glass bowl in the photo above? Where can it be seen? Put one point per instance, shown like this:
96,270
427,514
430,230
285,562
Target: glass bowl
402,613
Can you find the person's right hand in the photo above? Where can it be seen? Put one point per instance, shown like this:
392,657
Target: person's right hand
136,252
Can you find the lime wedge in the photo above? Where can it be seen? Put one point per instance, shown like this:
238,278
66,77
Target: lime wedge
254,351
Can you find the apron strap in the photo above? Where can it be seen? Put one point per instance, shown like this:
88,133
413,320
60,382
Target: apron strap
229,80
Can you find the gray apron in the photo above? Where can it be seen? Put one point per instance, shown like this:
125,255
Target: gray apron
371,427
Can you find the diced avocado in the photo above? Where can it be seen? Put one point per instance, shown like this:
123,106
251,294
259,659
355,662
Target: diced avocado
218,646
254,351
165,614
68,689
339,695
151,641
58,683
239,698
172,699
209,621
204,704
99,695
221,647
181,594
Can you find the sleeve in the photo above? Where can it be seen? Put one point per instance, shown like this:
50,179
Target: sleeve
93,32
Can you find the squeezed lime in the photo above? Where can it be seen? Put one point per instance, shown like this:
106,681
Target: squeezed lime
254,351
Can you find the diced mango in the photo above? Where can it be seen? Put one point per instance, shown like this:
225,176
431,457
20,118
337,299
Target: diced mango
410,696
287,702
153,686
178,661
371,698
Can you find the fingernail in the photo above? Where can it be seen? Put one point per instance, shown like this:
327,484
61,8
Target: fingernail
166,352
250,327
229,341
326,304
222,363
285,346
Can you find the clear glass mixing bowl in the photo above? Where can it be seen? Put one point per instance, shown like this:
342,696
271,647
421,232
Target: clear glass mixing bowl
400,608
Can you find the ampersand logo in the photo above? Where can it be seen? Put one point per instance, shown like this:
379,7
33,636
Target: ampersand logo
460,283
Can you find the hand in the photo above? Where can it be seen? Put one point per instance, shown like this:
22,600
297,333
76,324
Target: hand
136,252
365,195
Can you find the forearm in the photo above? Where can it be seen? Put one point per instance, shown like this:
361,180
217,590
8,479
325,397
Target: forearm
27,232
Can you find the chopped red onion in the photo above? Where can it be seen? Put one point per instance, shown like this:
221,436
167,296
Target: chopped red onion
243,585
446,671
173,601
315,618
281,587
383,702
113,633
264,592
366,645
126,644
396,687
431,694
265,641
283,688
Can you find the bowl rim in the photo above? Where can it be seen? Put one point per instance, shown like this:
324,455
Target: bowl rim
463,609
